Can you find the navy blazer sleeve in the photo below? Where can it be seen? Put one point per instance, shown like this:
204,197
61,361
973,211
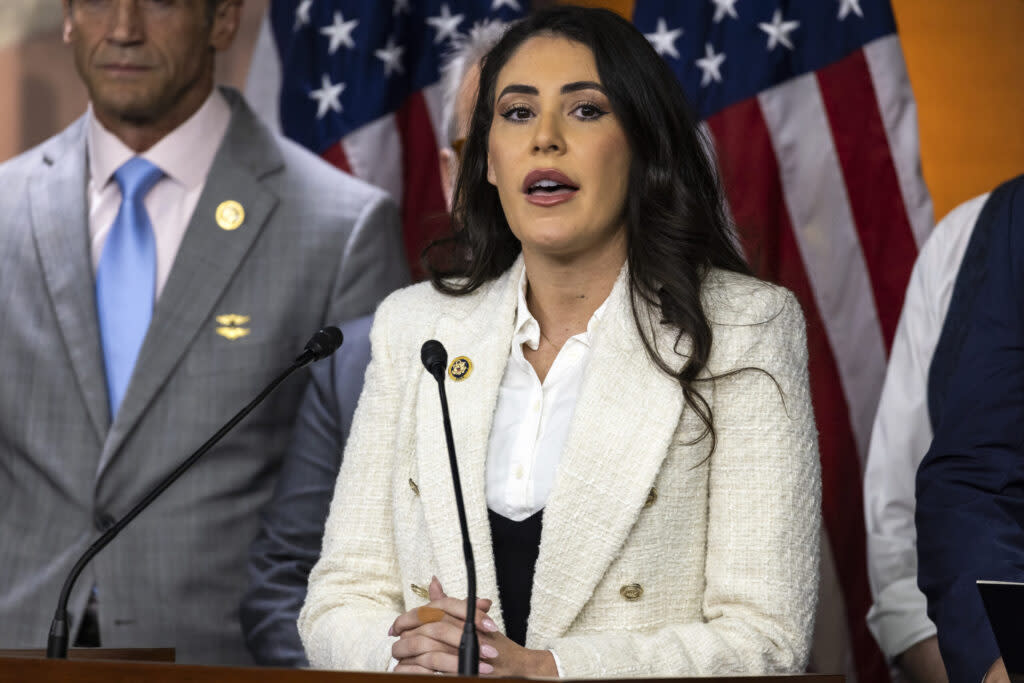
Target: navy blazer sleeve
970,485
288,544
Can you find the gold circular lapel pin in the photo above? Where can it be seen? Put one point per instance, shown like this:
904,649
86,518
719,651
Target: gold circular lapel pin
460,368
230,215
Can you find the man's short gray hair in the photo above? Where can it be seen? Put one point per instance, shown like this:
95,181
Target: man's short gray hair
466,51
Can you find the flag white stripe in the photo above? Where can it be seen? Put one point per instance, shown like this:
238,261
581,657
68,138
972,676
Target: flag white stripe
899,114
374,152
819,209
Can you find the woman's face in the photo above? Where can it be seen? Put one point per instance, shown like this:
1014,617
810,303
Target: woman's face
556,152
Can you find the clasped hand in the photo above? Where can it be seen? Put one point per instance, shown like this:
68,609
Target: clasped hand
428,640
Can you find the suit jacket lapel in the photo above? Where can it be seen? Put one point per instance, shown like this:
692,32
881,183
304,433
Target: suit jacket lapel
483,335
207,260
59,221
622,427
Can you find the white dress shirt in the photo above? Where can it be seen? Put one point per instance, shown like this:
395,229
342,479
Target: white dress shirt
531,418
902,434
185,155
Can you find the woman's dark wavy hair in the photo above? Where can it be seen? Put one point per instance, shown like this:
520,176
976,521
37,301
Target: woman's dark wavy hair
675,222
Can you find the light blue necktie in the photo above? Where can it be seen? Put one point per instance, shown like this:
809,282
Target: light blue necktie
126,278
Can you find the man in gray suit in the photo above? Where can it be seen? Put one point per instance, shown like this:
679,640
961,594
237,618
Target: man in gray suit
160,261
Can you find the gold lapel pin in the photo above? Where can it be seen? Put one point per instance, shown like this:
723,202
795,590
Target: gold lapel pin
460,368
230,215
230,326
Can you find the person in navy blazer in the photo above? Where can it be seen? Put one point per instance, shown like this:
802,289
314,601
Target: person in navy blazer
970,485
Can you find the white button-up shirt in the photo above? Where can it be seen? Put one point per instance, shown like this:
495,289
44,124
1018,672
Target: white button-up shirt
532,419
902,434
185,155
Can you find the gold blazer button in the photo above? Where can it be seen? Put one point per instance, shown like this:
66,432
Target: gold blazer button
419,590
631,591
652,497
414,487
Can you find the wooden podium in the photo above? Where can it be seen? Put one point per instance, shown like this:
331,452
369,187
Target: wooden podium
37,670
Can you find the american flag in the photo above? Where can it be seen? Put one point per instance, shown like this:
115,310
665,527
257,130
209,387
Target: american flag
815,129
814,124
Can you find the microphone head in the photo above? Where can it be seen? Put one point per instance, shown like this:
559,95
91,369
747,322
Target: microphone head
324,342
434,358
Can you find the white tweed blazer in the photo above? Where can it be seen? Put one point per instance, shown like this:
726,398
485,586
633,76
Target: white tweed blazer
656,558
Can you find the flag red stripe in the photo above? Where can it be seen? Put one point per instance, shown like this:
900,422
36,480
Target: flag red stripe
876,202
424,212
754,189
335,155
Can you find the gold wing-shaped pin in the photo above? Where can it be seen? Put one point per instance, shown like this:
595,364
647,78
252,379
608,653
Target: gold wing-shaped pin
233,333
233,319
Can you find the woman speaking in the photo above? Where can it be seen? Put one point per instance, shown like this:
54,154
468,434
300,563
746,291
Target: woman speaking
630,407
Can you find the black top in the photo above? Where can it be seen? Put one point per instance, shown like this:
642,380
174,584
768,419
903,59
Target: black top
516,545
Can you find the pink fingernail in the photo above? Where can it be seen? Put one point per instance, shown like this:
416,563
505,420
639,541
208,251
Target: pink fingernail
391,630
488,651
486,668
489,625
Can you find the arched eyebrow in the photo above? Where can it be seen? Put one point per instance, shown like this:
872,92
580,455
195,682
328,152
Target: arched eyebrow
582,85
575,86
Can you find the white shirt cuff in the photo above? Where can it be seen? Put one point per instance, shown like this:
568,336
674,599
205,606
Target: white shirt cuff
558,664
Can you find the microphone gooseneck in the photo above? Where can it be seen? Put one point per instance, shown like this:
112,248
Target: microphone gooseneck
322,344
435,357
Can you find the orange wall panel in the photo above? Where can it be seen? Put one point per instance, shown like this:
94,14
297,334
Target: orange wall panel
966,66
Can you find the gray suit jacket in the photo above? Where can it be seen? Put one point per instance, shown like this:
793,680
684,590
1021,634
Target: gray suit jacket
316,247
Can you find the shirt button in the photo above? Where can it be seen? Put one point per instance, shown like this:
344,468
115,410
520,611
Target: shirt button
535,407
519,472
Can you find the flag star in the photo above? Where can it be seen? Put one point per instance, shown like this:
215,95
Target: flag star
400,6
723,8
663,40
446,23
710,64
326,96
498,4
302,14
778,31
391,55
847,6
339,33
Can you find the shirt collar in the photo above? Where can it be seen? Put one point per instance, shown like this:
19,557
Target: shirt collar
527,329
185,155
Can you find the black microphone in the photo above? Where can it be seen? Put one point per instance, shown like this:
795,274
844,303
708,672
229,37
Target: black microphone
322,344
435,358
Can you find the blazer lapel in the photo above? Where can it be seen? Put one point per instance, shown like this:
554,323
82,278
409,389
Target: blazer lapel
622,427
59,221
483,336
207,260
